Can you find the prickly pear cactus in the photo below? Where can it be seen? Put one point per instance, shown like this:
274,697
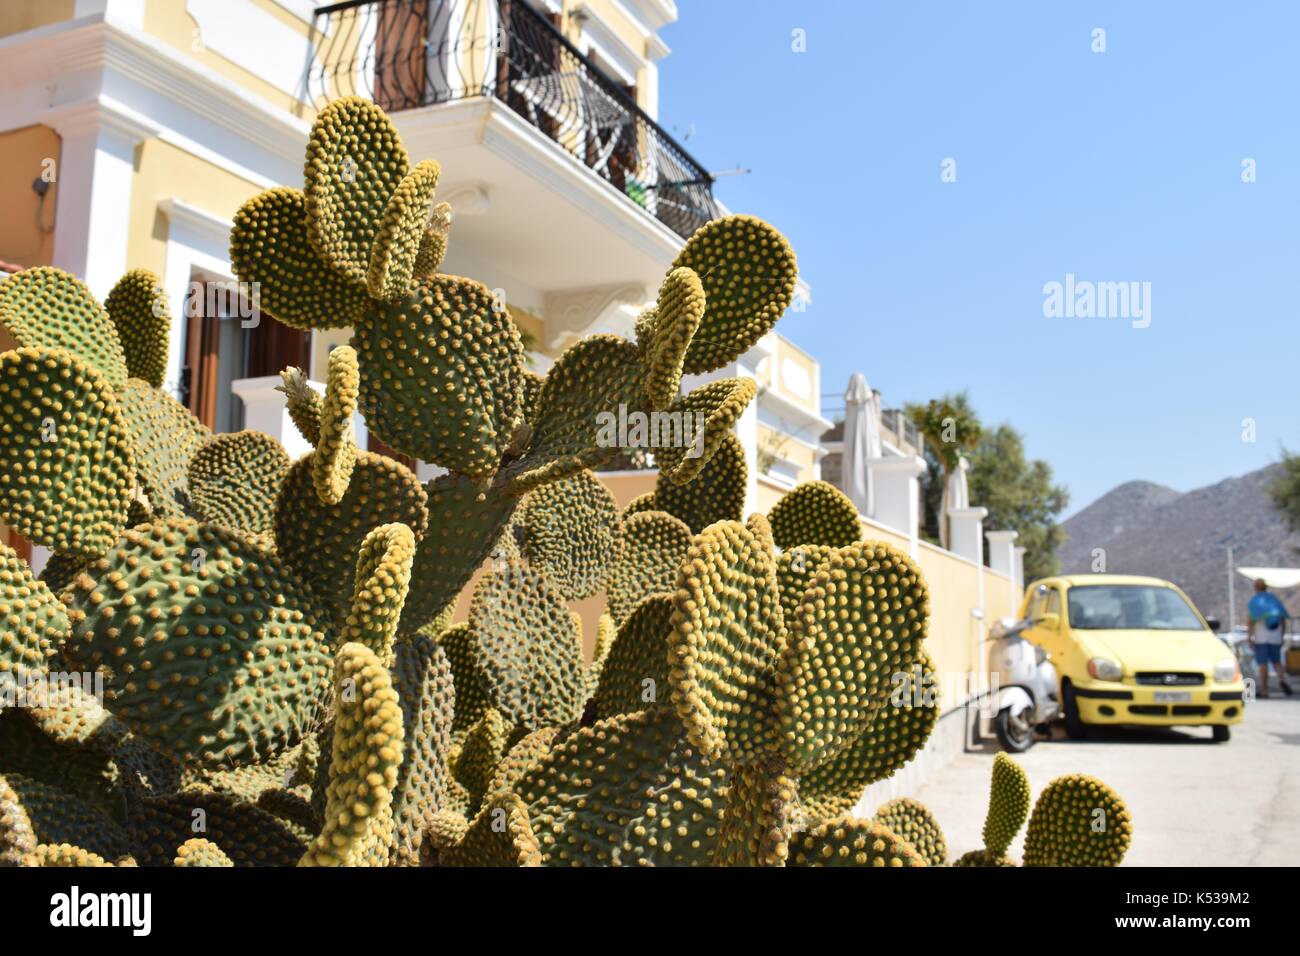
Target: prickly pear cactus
332,661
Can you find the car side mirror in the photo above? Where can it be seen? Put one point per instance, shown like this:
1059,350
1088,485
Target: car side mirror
1214,623
1049,621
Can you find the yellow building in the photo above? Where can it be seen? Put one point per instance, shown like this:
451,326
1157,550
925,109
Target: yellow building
132,130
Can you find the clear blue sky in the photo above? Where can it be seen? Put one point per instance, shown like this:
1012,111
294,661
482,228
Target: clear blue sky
1118,166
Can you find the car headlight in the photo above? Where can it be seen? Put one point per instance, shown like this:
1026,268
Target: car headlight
1103,669
1226,670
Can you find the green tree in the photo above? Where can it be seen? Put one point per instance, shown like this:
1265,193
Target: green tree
948,427
1020,496
1286,490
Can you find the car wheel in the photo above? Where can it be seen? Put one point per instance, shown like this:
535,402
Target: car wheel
1222,733
1016,734
1075,728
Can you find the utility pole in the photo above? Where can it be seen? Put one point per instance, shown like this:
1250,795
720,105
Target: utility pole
1232,593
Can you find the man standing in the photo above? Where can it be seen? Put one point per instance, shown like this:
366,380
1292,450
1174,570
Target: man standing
1267,616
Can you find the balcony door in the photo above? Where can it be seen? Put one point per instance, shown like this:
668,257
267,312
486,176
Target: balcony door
220,349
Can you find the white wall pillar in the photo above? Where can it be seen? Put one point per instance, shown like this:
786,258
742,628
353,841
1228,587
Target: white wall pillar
95,170
966,533
1002,559
898,495
1018,569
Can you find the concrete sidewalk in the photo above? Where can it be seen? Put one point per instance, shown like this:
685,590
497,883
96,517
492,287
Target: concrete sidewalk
1193,802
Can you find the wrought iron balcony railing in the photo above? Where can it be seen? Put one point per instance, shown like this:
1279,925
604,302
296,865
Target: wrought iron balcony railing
405,54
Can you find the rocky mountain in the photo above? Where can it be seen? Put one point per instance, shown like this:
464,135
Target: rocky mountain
1146,528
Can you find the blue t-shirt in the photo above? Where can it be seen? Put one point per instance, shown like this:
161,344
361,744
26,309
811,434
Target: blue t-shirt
1267,611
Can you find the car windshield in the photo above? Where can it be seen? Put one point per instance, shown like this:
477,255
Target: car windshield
1131,606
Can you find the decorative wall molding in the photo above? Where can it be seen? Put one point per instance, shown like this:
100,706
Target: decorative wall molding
572,313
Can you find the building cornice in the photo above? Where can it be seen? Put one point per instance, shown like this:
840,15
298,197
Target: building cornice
208,226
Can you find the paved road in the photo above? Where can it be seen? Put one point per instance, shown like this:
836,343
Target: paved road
1193,801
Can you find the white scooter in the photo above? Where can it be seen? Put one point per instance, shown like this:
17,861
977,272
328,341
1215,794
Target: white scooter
1027,686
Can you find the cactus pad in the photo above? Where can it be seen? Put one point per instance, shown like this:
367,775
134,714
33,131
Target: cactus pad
336,447
248,835
676,316
1078,821
359,829
167,437
32,621
569,533
235,478
759,817
400,237
635,673
65,452
651,548
270,251
422,678
726,639
713,411
138,308
51,310
527,653
442,374
1008,804
716,493
914,823
749,273
815,512
864,615
200,852
209,645
383,577
851,842
628,790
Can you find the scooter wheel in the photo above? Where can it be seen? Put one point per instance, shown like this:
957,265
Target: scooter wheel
1015,734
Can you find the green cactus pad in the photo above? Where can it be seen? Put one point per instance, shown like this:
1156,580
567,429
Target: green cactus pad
718,405
865,615
651,548
484,746
521,758
629,790
677,315
500,836
368,748
57,816
305,404
51,310
423,680
472,699
336,447
66,855
465,523
527,654
815,512
32,621
65,453
200,852
382,579
60,569
749,274
1078,821
271,251
442,374
645,502
913,822
320,542
579,409
248,835
983,858
234,480
210,647
433,244
759,818
635,673
898,731
400,237
1009,796
605,633
167,437
716,493
795,570
17,837
848,841
138,308
355,162
568,532
727,636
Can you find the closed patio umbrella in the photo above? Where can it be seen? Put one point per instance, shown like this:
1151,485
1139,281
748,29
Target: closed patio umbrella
861,443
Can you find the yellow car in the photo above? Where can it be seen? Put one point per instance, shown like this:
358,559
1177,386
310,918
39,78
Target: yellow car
1132,650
